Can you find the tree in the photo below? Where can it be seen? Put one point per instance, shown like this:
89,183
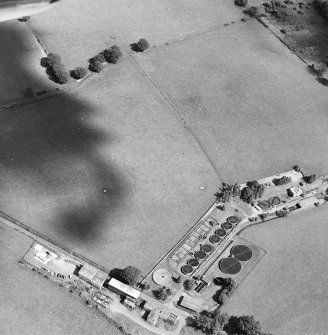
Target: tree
188,284
98,58
95,66
229,283
298,168
244,325
282,213
78,73
141,45
131,275
50,60
57,73
112,54
203,323
162,293
281,181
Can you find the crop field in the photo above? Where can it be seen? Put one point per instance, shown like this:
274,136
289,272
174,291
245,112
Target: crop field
287,289
32,305
86,28
249,101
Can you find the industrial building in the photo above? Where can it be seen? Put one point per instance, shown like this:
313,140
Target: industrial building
123,289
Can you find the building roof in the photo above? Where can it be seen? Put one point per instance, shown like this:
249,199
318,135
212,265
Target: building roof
191,303
87,272
99,278
126,289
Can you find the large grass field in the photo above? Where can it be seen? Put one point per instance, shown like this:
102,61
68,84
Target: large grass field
30,304
287,290
78,29
123,166
247,98
109,170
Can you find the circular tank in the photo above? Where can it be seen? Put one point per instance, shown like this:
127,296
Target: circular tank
229,265
215,239
241,252
233,219
187,269
220,232
207,248
227,225
193,262
200,254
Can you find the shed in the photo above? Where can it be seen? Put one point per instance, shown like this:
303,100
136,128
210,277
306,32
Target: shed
193,304
294,192
123,289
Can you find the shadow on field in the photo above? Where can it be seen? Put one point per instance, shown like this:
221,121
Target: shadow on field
51,146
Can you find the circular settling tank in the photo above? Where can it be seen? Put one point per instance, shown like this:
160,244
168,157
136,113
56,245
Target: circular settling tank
227,225
215,239
220,232
207,248
162,277
233,219
241,252
193,262
187,269
200,254
229,265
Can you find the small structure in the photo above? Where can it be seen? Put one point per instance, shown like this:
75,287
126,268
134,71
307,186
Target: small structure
161,314
93,276
294,192
42,254
129,302
123,289
193,304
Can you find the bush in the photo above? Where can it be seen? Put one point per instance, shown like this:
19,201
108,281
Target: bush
310,179
281,181
95,66
162,293
98,58
24,19
112,54
188,284
78,73
50,60
282,213
244,325
222,299
241,3
298,168
140,46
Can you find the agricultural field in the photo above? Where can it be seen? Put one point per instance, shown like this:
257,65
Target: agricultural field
249,101
287,289
86,28
30,304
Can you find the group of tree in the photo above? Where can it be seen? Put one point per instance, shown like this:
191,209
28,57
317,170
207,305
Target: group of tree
215,323
55,68
253,190
210,323
228,287
162,293
140,46
110,55
282,213
281,181
226,192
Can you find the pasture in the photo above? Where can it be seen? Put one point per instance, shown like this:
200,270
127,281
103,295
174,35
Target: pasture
287,289
250,102
30,304
79,29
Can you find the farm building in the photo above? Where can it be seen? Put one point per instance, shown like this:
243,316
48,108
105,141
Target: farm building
92,275
191,303
123,289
